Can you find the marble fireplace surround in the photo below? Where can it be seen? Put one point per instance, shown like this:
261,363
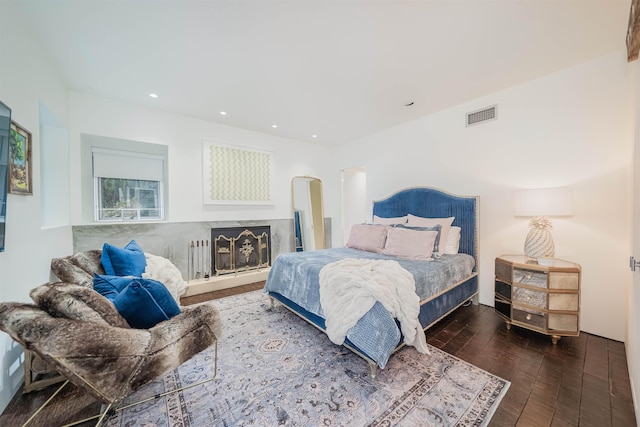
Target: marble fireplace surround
171,239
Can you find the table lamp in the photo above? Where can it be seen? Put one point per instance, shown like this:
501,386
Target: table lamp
541,203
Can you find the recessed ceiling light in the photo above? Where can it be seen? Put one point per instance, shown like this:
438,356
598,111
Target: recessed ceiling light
274,126
314,136
153,95
223,113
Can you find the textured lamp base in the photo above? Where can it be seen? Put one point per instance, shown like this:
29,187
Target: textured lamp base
539,242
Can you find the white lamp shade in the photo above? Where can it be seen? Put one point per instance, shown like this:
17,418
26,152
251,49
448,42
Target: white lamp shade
543,202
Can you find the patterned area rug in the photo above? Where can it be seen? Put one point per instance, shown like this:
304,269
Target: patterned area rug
276,369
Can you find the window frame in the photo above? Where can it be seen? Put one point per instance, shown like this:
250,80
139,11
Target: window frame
97,194
88,181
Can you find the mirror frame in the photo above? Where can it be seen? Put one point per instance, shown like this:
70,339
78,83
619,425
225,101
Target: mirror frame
5,134
317,214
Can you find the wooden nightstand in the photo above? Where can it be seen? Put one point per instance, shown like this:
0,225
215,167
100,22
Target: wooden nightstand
543,298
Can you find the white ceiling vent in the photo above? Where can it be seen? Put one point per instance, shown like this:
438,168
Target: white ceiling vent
483,115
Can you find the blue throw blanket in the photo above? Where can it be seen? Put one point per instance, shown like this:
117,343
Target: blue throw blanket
296,276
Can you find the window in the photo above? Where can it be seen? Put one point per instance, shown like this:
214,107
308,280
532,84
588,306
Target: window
128,199
128,186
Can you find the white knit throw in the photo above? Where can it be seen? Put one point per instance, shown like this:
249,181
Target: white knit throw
350,287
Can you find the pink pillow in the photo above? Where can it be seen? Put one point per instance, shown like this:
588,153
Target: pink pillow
412,244
390,221
417,221
367,237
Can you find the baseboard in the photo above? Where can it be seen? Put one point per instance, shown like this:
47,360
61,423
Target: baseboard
201,286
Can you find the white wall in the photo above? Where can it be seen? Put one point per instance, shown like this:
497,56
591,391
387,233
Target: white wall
184,136
355,209
25,80
571,128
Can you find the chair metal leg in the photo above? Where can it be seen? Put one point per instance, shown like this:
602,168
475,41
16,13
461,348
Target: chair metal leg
102,416
215,373
45,403
114,407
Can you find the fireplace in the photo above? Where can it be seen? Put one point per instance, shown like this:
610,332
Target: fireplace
239,249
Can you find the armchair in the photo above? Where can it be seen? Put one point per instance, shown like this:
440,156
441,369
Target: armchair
80,334
106,361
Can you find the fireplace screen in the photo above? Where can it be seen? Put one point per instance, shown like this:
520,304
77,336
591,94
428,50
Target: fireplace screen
238,249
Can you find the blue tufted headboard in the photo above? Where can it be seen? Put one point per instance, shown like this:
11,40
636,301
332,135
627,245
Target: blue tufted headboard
431,203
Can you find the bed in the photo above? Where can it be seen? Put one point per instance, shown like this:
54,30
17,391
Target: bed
443,284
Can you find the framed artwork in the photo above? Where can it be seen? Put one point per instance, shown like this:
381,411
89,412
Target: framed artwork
20,160
234,175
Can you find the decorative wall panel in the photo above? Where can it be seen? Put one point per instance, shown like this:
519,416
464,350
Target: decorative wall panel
236,175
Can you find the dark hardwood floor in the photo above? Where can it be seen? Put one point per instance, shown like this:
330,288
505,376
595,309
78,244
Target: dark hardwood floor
581,381
221,293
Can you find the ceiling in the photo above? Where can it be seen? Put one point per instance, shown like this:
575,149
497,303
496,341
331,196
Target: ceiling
340,70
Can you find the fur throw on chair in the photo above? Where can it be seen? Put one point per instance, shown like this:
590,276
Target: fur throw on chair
111,362
78,268
71,301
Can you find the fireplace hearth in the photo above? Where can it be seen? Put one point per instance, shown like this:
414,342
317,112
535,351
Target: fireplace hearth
239,249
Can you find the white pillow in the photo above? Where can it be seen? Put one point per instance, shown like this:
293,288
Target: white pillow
389,221
417,221
411,244
453,241
367,237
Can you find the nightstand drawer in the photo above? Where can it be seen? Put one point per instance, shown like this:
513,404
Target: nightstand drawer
530,277
503,289
563,322
537,320
530,297
567,302
559,280
503,308
503,270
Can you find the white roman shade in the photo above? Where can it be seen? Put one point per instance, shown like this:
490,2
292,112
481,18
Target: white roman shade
127,165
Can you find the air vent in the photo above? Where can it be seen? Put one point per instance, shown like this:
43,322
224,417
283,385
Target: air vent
481,116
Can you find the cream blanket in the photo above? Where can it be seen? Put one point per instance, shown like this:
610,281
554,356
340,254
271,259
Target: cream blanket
161,269
350,287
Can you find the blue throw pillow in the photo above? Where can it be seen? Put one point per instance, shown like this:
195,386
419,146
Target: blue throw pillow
110,286
127,261
145,302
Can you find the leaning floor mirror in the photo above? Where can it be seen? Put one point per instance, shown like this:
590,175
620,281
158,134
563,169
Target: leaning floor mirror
308,213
